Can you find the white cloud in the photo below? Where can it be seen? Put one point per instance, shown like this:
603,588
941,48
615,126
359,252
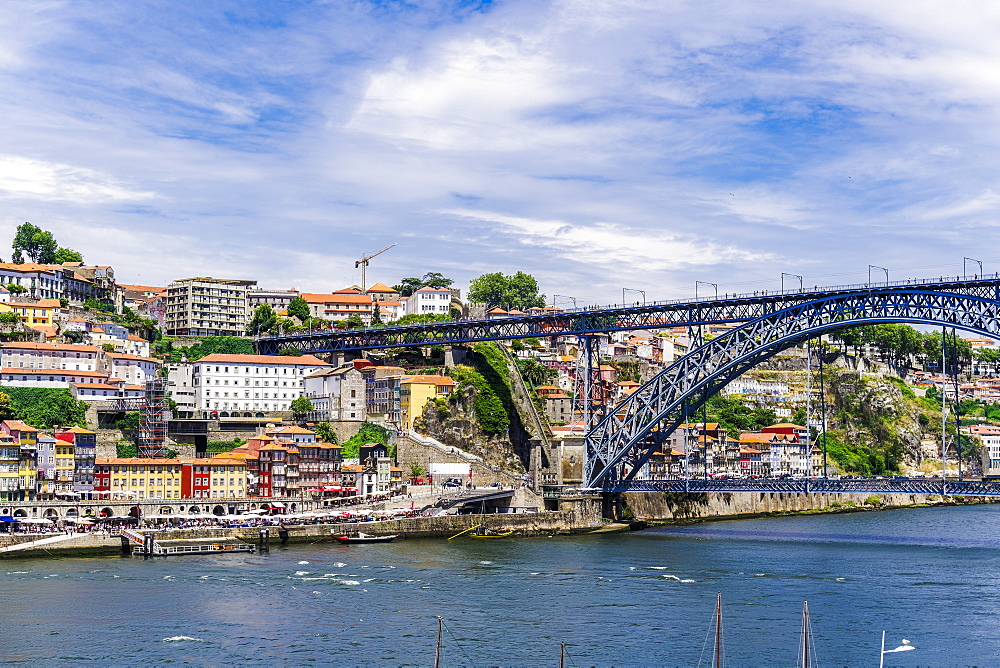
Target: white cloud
38,180
612,245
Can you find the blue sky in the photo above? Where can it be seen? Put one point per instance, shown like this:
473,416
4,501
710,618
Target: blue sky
596,144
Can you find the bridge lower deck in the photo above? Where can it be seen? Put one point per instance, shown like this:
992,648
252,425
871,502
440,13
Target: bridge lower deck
814,486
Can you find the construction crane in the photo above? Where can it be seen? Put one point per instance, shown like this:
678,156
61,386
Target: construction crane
363,263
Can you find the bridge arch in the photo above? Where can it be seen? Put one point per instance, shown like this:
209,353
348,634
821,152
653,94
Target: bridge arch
623,441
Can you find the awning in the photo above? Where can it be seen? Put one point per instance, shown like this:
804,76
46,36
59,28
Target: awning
277,505
28,520
7,518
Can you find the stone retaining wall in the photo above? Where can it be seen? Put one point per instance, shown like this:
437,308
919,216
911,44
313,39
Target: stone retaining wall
679,506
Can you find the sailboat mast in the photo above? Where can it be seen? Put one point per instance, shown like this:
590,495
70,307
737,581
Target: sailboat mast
805,634
437,650
718,631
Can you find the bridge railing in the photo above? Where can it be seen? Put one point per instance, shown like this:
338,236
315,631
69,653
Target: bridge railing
814,486
825,289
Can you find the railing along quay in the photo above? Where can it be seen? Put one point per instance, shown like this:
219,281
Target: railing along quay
813,486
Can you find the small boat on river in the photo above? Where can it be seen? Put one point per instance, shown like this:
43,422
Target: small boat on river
483,532
362,537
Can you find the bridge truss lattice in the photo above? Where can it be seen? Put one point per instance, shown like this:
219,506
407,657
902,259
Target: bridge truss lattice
619,446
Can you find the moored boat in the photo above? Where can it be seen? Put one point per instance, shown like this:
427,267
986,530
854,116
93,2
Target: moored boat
362,537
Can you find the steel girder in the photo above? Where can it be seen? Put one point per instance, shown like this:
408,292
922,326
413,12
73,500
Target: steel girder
819,486
741,308
618,447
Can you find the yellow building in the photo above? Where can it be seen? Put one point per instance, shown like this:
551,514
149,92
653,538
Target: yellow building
139,478
416,391
10,468
65,466
41,312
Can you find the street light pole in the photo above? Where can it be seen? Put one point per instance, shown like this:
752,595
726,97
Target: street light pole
642,292
785,273
875,266
705,283
573,299
969,259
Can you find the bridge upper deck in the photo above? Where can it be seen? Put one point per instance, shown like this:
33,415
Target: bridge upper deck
679,312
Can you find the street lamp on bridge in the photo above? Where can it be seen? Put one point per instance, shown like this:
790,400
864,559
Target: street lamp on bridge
642,292
966,260
785,273
705,283
572,299
875,266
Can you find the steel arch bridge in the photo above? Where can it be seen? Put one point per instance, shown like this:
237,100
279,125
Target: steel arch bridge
601,319
618,447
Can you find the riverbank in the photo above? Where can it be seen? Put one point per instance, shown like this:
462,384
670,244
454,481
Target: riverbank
582,518
655,508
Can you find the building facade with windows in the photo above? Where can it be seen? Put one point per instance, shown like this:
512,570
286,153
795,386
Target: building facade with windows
242,384
207,307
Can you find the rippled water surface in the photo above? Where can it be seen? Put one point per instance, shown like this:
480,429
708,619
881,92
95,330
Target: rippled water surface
929,575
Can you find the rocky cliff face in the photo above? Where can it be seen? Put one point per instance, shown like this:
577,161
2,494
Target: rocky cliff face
453,423
880,416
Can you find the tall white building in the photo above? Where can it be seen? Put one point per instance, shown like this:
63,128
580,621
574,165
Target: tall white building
248,384
428,300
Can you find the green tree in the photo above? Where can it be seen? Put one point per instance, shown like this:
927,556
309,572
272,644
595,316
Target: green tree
325,433
300,407
6,407
290,352
9,318
16,289
39,245
519,291
408,286
354,320
415,470
299,308
534,372
264,320
433,279
130,422
67,255
108,347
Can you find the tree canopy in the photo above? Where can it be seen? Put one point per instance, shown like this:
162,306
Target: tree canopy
40,246
264,321
519,291
301,406
431,279
299,308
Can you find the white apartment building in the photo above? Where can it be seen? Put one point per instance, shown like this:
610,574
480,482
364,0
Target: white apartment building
133,369
428,300
336,394
276,299
180,381
339,305
249,384
15,356
41,281
207,307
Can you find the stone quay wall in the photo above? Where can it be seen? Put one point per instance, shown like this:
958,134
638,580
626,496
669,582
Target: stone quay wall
661,506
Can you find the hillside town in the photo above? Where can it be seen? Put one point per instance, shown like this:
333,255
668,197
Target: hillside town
237,425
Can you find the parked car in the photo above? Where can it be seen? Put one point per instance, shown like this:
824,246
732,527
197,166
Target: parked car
452,482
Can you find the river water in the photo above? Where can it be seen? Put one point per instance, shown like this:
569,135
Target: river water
929,575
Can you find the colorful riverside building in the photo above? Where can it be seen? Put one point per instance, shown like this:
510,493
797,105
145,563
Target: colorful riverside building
416,391
26,437
84,454
141,478
10,468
